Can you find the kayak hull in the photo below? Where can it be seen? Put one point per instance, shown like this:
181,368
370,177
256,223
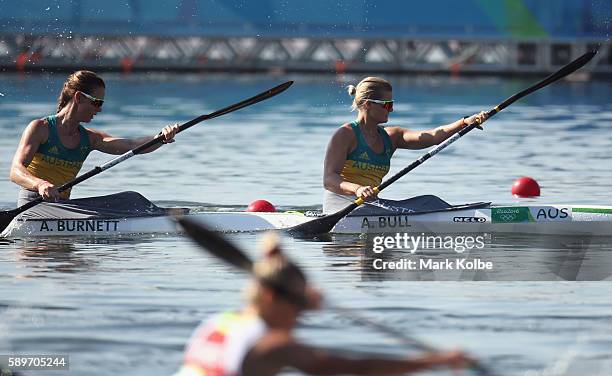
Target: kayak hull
545,220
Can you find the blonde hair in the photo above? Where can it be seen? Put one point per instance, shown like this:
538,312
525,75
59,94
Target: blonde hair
84,81
275,271
368,88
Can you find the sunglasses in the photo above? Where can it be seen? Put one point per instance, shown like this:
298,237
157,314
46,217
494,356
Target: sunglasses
95,101
387,105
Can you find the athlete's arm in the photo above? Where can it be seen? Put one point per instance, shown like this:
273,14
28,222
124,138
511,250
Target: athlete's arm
35,134
406,139
270,355
116,145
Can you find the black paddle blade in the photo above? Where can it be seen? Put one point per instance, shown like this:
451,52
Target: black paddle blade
6,217
320,225
565,71
247,102
258,98
237,106
215,244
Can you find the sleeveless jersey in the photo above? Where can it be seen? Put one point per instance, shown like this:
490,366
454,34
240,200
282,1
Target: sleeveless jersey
363,166
56,163
219,346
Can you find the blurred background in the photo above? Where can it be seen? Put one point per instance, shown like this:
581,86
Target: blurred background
394,36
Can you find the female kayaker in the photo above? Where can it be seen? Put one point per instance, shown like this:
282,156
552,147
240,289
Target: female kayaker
359,153
52,149
258,340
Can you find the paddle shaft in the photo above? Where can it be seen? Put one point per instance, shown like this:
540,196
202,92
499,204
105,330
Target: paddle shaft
394,333
7,216
327,223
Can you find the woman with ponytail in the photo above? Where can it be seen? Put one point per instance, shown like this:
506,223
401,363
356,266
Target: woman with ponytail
52,149
359,153
258,340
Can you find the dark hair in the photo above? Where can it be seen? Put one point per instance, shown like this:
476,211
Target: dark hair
85,81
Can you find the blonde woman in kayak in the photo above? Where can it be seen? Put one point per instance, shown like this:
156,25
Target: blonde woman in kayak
359,153
258,340
52,149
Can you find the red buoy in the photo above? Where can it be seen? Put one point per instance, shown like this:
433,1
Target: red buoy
340,66
525,187
127,64
261,206
21,61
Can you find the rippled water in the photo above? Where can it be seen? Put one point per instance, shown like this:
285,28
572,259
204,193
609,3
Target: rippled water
128,305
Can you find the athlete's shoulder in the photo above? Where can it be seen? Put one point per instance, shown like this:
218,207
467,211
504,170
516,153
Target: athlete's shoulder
343,138
345,131
347,126
38,129
42,123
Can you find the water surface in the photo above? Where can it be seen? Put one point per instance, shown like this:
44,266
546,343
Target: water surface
128,305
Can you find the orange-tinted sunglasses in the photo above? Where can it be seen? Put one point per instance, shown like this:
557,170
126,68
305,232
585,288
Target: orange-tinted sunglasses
387,105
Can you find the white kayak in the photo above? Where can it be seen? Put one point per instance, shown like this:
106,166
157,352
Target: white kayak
423,214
